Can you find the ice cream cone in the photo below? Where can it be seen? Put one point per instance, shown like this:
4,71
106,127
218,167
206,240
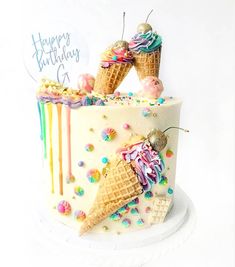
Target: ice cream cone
108,79
119,187
147,64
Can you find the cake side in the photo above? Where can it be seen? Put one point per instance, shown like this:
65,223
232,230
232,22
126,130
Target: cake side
74,170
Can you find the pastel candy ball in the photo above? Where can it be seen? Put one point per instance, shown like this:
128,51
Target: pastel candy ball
169,153
64,208
108,134
151,87
163,180
89,147
126,126
148,195
123,210
126,222
170,191
80,215
161,100
134,211
133,203
81,163
115,216
93,176
86,82
79,191
104,160
140,222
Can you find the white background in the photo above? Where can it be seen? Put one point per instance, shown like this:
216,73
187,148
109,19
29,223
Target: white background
197,65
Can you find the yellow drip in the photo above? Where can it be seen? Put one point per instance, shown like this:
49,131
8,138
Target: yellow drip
59,107
49,110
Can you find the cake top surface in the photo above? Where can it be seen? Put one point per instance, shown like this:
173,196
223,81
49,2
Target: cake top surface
54,92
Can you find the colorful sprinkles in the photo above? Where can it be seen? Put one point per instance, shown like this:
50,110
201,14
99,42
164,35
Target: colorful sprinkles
134,211
124,210
64,208
133,203
93,175
108,134
170,191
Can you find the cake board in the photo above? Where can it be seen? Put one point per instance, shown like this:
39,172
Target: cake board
137,248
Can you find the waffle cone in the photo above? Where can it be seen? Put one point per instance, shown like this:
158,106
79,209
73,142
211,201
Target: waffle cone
108,79
147,64
119,187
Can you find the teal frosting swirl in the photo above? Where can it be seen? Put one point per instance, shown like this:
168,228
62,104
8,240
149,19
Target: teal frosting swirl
145,42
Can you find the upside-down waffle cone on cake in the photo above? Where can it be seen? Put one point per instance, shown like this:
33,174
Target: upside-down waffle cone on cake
147,64
118,188
109,78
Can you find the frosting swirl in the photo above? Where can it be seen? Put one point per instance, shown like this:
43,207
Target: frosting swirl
148,163
116,55
145,42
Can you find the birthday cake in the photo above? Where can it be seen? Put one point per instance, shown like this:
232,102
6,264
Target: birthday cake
110,157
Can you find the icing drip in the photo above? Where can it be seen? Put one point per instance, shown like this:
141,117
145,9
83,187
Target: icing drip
69,176
49,110
40,118
43,119
148,163
59,107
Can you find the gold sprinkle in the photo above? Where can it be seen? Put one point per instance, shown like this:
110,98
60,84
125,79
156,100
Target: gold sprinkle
105,228
91,130
104,117
118,233
54,207
73,197
154,114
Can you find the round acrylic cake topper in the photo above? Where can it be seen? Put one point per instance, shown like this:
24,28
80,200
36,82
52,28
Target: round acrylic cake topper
55,50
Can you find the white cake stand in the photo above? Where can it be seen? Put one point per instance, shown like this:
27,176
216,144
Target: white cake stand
130,249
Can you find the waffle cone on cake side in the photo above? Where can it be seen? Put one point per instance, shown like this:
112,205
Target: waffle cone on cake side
108,79
147,64
118,188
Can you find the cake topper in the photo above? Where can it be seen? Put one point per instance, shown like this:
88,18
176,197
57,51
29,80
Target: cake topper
115,64
158,139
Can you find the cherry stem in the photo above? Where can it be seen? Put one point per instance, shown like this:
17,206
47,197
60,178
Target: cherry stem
123,24
185,130
148,15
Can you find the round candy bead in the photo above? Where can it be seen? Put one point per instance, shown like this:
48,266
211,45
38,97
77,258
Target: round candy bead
115,216
148,195
146,112
161,100
64,208
80,215
108,134
79,191
134,211
126,126
133,203
89,147
93,176
126,222
140,222
170,191
81,163
104,160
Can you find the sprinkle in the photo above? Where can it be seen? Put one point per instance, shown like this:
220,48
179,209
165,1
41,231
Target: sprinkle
126,222
70,179
81,163
130,94
146,112
80,215
115,58
64,208
93,175
140,222
108,134
126,126
79,191
133,203
148,195
89,147
115,216
170,191
91,130
105,228
123,210
160,100
169,153
148,209
134,211
104,117
163,180
104,160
